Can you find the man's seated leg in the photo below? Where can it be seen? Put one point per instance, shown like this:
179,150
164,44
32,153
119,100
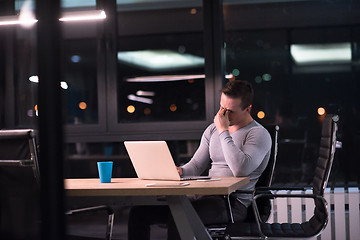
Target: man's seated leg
211,210
142,217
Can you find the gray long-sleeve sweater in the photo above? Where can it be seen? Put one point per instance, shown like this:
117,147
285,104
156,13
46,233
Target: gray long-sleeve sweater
245,152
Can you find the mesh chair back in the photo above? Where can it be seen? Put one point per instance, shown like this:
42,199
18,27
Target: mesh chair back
326,154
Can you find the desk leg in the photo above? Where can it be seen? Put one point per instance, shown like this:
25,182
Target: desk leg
186,219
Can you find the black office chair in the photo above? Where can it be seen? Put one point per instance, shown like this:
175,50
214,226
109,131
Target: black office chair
19,185
20,188
265,180
311,228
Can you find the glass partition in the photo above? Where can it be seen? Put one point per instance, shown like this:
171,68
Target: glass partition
260,57
161,78
25,77
79,62
302,66
80,80
160,66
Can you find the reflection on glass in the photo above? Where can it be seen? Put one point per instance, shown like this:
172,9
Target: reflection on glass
160,60
164,82
321,53
80,81
83,16
300,72
260,57
26,91
168,101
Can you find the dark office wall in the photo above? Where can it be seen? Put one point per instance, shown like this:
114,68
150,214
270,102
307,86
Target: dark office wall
291,15
148,22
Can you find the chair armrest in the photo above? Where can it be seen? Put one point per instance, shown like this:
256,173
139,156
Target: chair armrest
244,191
276,195
24,162
107,209
267,189
260,189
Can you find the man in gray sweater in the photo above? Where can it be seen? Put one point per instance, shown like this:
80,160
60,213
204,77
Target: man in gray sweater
234,145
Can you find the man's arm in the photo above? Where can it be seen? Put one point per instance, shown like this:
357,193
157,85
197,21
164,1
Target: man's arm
242,162
201,159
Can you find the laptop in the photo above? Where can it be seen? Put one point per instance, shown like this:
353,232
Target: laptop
153,160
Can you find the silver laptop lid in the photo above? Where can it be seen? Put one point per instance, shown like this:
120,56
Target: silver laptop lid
152,160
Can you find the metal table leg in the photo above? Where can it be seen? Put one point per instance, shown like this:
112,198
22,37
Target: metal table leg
186,219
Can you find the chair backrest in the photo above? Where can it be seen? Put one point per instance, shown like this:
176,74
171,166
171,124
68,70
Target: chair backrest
322,170
18,147
306,229
266,177
326,153
19,185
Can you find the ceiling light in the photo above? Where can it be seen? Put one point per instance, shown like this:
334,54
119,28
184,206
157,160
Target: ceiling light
27,16
64,85
321,53
160,60
83,16
34,79
29,20
165,78
169,78
15,20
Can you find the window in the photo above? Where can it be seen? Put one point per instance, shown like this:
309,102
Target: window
291,92
161,78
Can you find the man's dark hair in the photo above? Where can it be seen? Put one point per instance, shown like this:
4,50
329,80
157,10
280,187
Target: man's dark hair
239,89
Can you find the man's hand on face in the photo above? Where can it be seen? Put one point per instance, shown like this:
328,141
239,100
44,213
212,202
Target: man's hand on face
221,120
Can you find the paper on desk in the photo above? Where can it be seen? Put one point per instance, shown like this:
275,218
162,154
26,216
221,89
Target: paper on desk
209,180
167,184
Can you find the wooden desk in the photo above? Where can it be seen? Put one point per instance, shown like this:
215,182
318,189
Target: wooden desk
186,218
